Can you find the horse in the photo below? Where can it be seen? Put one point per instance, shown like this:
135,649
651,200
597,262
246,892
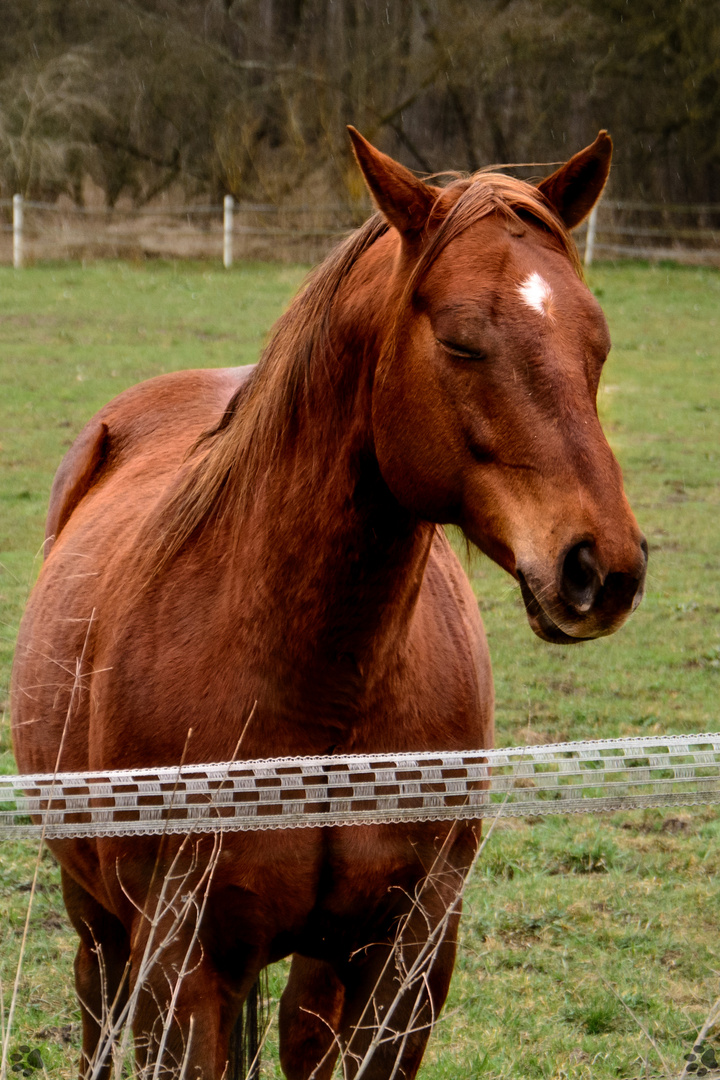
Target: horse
251,563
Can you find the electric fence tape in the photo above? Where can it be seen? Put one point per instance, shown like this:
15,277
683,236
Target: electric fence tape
284,793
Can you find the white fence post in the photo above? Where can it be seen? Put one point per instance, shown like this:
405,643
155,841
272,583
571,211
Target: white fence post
227,231
17,231
590,237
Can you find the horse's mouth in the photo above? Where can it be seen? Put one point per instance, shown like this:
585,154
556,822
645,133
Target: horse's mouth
540,621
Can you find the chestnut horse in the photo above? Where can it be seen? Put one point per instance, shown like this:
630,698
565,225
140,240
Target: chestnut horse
257,555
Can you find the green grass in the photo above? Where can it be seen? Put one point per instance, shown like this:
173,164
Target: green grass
578,932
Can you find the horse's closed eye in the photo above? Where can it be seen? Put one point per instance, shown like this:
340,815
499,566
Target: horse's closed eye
461,352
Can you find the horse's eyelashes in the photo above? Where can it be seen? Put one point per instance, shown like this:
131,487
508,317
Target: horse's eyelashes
460,352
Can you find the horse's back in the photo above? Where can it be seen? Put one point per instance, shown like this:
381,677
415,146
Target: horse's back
150,425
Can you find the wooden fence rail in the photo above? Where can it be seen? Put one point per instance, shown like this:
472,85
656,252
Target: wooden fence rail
624,229
34,231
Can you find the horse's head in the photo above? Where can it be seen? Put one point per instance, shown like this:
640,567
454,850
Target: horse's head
484,400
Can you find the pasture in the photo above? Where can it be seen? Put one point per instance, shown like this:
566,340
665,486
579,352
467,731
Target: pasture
590,945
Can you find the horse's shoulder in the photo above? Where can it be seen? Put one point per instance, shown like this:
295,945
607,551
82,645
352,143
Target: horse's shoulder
148,411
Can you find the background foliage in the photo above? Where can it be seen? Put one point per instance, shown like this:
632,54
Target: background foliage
251,96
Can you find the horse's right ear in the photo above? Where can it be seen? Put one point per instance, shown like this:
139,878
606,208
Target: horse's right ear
575,188
404,200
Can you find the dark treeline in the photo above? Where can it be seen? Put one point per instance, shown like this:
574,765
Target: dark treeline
251,96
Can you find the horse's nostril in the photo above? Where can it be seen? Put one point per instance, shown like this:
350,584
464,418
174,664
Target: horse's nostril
622,590
581,580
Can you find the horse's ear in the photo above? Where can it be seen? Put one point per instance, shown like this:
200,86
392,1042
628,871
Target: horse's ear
404,200
575,188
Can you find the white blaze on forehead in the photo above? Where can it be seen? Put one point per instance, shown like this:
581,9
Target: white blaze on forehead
537,294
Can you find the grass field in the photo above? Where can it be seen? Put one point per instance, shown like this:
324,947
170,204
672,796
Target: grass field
591,947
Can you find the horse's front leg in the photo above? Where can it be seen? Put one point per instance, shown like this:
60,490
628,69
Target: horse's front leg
396,986
101,970
310,1015
179,1024
182,1010
392,1001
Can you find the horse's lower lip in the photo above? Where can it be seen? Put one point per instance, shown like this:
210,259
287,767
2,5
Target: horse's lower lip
540,621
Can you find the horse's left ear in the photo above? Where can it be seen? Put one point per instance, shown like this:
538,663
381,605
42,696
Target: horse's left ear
404,200
575,188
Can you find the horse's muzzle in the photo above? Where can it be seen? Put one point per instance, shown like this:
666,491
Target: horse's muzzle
583,602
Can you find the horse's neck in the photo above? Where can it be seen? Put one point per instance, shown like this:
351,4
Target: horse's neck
326,544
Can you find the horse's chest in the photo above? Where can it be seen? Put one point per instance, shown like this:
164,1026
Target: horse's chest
313,891
364,875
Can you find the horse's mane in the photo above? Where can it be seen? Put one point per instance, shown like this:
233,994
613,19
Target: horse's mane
259,419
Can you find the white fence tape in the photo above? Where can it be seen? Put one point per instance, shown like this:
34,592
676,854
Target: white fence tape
282,793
